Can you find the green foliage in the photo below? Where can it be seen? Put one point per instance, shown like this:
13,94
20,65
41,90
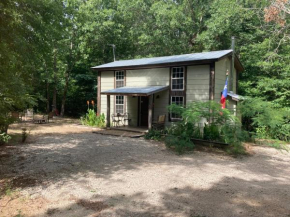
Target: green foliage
4,138
154,135
53,44
234,135
5,121
91,119
223,126
211,132
266,119
210,110
277,144
180,143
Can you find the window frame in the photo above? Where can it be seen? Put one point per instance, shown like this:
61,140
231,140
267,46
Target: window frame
116,79
183,78
174,118
118,104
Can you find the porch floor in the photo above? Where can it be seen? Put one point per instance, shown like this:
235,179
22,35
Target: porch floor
131,129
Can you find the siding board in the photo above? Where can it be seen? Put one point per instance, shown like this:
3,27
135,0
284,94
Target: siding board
197,83
107,80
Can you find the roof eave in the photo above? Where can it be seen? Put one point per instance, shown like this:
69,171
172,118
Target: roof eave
163,65
135,94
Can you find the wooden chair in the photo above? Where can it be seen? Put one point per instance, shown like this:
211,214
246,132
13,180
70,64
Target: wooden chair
49,116
160,124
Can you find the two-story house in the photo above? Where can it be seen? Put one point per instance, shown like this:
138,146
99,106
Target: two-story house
144,88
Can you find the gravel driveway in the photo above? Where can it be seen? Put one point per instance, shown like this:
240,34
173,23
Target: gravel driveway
75,172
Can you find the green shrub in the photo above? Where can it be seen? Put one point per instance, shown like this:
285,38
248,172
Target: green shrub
266,120
223,126
5,121
211,132
179,143
91,119
234,135
153,135
4,138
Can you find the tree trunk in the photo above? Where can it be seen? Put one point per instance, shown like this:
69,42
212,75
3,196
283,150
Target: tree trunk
55,83
47,97
64,94
54,99
67,75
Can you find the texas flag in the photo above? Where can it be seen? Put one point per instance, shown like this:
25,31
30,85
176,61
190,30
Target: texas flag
224,95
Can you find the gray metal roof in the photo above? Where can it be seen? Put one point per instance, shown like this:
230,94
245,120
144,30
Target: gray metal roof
235,96
167,59
135,91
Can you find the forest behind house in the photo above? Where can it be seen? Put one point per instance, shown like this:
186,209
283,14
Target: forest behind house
47,48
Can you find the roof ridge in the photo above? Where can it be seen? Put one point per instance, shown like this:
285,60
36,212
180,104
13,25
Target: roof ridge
171,55
192,57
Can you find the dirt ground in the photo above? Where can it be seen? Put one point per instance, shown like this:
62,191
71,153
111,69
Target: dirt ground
63,169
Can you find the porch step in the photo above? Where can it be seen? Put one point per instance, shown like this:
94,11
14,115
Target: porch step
121,133
130,129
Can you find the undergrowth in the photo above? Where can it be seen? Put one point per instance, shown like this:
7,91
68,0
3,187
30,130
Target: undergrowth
91,119
153,135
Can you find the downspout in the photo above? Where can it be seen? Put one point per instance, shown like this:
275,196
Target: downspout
233,64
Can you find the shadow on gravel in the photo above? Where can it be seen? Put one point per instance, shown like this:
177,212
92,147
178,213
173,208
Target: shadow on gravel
59,157
247,198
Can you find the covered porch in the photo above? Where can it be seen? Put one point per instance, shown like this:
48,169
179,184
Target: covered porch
144,97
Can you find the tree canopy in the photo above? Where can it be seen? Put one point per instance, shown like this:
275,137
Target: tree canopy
47,47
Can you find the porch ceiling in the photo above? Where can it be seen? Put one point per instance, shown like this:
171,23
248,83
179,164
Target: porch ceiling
135,91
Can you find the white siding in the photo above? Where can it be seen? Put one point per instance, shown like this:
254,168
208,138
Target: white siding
160,105
197,83
147,77
232,105
132,109
107,83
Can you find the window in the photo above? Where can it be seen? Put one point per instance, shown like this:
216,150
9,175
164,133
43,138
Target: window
177,78
120,81
119,104
178,100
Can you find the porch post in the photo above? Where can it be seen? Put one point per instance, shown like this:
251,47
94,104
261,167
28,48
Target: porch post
150,111
108,111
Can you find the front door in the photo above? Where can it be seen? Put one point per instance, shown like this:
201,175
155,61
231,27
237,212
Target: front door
144,104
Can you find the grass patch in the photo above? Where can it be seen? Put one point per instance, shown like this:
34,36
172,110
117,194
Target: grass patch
7,190
273,143
19,214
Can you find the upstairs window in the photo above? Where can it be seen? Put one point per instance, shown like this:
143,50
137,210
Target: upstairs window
178,100
120,79
177,78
